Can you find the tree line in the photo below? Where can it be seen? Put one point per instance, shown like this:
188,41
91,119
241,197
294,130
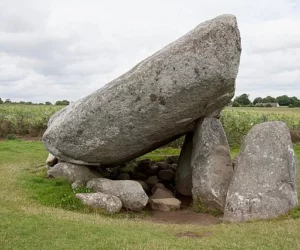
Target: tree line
8,101
284,100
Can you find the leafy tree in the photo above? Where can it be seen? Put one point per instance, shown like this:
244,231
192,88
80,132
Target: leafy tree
294,99
297,104
257,100
7,101
1,102
64,102
235,104
268,99
283,100
48,103
242,100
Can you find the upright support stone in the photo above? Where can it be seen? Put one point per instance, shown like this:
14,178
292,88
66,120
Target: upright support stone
264,184
211,164
184,183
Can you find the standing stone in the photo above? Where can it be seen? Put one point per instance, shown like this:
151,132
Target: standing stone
155,102
131,193
184,183
264,184
109,203
211,164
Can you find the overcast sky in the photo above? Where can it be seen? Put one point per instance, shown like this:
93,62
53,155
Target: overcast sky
66,49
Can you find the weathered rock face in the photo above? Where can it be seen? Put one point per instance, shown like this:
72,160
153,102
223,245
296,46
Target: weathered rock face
73,173
211,164
264,184
130,193
184,183
155,102
109,203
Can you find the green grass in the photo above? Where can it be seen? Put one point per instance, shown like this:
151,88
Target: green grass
161,153
53,192
25,223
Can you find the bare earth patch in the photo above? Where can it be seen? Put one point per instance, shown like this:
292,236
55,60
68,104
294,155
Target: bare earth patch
185,215
194,235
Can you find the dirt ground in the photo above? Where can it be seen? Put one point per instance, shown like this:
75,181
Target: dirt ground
185,215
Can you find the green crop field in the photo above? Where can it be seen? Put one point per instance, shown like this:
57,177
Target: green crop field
238,121
22,119
16,119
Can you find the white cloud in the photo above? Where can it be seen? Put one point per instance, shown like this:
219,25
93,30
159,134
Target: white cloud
65,49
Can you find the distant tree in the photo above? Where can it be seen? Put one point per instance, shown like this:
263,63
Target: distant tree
48,103
283,100
22,102
29,103
1,102
297,104
268,99
294,99
235,104
243,100
257,100
64,102
7,101
41,103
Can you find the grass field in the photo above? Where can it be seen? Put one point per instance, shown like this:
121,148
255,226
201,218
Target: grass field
25,223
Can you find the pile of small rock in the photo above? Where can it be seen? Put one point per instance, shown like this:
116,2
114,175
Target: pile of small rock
130,186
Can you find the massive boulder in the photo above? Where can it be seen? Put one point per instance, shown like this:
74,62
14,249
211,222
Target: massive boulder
264,184
211,164
131,193
153,103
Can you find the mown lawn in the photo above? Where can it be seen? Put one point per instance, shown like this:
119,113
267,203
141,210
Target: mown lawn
25,223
